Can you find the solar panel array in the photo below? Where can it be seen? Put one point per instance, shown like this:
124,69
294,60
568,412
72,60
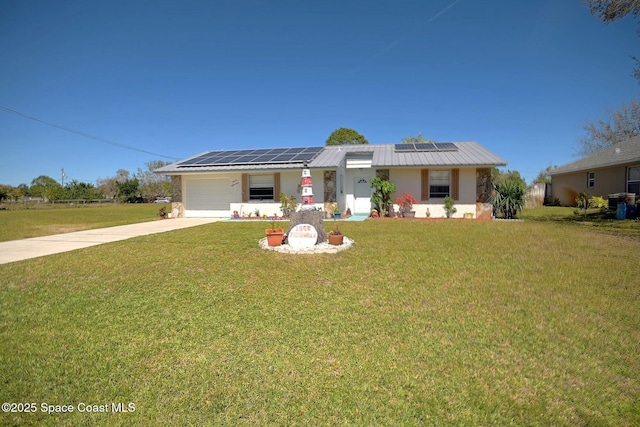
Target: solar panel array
429,146
253,157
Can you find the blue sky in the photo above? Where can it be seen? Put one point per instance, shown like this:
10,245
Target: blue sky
176,78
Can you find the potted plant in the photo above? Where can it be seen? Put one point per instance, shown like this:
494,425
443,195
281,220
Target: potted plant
274,235
336,212
288,204
449,209
406,202
335,236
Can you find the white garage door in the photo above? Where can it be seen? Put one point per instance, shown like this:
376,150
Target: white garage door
208,194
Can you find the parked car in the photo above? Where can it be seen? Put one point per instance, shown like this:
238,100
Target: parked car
165,200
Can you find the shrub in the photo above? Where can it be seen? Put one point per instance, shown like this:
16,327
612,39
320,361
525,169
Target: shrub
508,198
598,202
449,209
381,197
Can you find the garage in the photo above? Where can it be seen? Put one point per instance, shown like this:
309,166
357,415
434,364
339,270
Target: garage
207,197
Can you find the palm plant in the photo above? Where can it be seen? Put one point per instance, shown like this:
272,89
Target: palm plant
508,198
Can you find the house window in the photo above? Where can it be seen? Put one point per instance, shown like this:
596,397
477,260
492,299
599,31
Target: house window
439,183
261,187
591,179
633,179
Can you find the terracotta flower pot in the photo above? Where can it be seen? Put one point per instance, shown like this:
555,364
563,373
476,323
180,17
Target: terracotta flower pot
274,236
336,239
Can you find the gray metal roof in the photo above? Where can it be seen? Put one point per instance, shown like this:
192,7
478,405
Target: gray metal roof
383,155
618,154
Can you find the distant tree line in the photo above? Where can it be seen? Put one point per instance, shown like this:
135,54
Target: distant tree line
144,186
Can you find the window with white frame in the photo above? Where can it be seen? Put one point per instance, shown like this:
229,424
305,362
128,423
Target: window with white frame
261,187
439,183
633,179
591,179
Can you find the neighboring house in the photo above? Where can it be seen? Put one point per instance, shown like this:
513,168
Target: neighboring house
615,169
216,183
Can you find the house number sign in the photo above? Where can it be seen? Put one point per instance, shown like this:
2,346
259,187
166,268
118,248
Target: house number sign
303,236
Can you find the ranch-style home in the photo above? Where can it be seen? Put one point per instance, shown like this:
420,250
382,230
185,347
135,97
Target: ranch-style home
612,170
217,183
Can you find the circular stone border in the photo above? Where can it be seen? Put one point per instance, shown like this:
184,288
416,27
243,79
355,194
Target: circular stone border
321,248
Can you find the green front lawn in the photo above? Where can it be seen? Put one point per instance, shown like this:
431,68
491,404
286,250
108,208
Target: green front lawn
24,223
421,323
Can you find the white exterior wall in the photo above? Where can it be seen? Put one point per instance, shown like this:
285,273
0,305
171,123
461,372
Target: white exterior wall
289,181
408,179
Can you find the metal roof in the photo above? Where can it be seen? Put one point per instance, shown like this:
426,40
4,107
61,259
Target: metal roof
383,155
617,154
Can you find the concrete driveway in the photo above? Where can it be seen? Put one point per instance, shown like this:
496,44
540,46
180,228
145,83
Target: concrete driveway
18,250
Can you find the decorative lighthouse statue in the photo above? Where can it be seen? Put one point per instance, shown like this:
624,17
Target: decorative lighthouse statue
307,191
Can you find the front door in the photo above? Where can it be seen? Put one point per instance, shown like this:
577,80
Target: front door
362,195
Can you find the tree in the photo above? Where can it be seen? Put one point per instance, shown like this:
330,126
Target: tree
381,197
128,191
544,176
498,176
344,136
418,139
108,187
612,10
153,185
46,187
618,126
80,190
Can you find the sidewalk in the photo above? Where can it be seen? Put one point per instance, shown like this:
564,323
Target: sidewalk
18,250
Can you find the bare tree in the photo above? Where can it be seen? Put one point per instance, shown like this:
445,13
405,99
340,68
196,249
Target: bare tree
618,126
612,10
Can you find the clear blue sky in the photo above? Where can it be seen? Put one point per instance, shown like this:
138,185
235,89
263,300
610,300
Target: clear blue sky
178,78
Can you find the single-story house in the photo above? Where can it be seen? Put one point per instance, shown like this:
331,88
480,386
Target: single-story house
217,183
614,169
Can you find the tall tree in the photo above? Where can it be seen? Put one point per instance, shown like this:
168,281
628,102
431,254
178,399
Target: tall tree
612,10
153,185
46,187
80,190
128,191
108,187
345,136
618,126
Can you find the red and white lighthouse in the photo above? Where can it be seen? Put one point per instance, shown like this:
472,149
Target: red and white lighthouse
307,190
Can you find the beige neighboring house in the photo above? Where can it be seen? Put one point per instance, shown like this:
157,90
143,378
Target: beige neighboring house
615,169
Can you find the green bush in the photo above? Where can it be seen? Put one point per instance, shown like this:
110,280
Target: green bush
598,202
508,198
381,197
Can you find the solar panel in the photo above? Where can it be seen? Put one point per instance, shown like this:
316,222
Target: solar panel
253,156
410,147
446,146
425,146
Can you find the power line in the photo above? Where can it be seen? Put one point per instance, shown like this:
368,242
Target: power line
84,134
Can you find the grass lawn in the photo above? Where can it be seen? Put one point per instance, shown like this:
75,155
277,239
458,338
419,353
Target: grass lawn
21,224
421,323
